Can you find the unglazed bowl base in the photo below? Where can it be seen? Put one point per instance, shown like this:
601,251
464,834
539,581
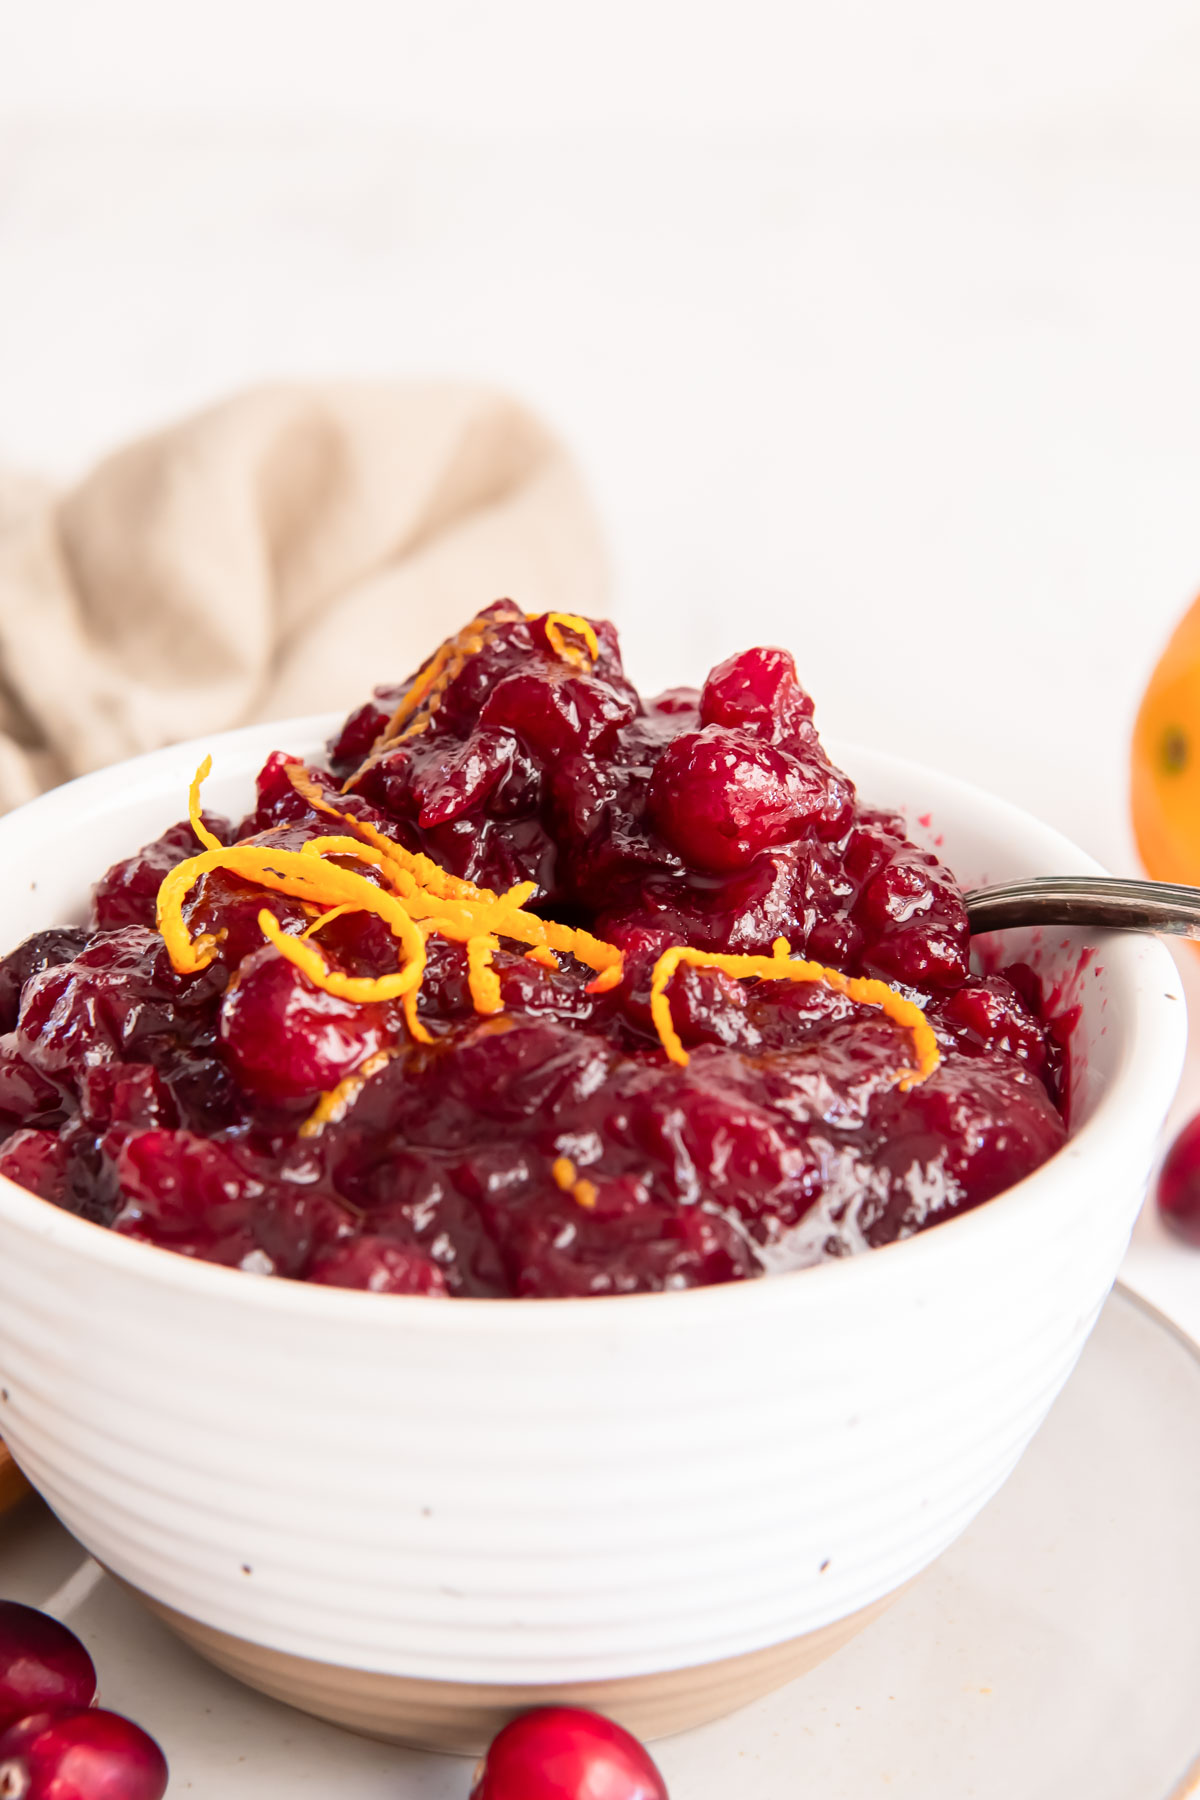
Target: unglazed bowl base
13,1485
462,1717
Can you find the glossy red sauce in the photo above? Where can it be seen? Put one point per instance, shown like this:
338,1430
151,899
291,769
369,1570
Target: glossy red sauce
168,1107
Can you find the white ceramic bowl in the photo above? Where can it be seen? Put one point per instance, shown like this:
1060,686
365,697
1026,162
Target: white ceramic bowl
413,1515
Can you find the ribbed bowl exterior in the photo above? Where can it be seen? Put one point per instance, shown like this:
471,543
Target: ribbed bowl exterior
564,1490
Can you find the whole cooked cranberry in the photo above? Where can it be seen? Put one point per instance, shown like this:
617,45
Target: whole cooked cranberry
989,1012
44,950
130,1094
1178,1191
705,1129
911,913
80,1755
388,780
488,768
757,691
536,1065
180,1187
26,1097
565,1753
278,803
352,744
117,996
43,1666
663,1246
126,895
979,1125
36,1160
558,713
379,1266
900,891
718,797
285,1038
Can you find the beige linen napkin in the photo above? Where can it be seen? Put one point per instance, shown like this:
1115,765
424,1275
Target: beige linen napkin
279,554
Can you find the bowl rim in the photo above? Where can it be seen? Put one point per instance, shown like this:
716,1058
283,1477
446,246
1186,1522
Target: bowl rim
1141,1087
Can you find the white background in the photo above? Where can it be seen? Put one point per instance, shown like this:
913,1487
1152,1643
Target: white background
876,327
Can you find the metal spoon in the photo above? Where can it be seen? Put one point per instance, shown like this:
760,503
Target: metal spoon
1102,901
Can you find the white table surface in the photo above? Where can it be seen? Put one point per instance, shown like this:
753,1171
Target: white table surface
906,378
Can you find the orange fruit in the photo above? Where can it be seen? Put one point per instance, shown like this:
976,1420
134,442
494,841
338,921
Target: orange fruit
1165,772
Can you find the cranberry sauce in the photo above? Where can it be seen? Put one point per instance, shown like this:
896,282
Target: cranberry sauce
549,1147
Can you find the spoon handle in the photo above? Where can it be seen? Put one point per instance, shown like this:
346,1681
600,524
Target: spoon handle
1101,901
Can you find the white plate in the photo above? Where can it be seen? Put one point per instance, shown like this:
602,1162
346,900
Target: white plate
1052,1654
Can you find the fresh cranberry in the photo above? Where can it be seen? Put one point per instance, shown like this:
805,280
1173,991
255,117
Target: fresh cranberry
1178,1190
80,1755
565,1753
43,1666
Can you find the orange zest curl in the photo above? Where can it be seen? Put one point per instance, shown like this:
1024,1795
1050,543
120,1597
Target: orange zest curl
415,897
326,918
582,1191
782,966
198,826
408,891
425,695
545,959
424,871
482,979
361,990
558,622
433,883
333,1106
418,1032
606,979
303,877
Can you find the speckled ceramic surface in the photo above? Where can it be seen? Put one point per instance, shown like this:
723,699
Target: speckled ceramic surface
1051,1654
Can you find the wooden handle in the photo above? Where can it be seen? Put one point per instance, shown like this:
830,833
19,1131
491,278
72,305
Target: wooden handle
13,1485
